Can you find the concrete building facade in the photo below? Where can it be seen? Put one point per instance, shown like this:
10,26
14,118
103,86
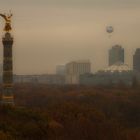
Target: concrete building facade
76,68
114,75
116,54
60,69
136,60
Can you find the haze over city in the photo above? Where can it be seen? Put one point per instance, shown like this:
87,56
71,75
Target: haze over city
52,32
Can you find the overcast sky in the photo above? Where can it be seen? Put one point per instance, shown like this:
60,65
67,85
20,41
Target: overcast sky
52,32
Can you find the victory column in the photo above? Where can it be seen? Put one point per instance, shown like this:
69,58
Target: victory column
7,97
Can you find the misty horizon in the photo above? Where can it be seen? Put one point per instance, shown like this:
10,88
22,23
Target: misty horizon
47,34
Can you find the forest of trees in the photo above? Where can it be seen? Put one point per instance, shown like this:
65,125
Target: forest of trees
44,112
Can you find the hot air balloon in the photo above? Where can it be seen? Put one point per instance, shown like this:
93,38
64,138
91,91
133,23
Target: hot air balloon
109,29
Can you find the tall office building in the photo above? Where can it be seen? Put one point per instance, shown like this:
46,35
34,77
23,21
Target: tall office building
136,60
1,68
116,54
76,68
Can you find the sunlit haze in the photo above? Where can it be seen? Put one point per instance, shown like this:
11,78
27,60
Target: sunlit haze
52,32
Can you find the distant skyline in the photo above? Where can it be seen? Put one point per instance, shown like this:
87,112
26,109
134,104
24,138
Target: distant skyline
52,32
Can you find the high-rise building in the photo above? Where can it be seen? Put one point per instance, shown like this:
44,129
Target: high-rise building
116,54
76,68
1,68
136,60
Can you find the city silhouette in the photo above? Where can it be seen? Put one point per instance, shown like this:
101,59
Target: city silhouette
70,70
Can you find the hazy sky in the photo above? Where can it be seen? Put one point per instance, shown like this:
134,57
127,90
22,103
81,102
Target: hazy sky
52,32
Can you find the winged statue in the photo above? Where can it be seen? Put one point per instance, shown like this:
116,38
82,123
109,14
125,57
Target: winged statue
7,19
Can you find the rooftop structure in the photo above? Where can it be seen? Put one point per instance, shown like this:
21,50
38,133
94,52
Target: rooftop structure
118,67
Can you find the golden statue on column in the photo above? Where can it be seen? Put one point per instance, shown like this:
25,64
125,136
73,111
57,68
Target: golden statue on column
7,18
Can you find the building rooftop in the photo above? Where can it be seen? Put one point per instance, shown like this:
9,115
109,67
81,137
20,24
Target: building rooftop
117,46
80,61
118,67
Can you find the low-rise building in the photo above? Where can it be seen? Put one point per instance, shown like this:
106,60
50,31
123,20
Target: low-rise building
76,68
117,74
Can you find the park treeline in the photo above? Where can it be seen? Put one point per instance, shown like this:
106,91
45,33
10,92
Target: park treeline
44,112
